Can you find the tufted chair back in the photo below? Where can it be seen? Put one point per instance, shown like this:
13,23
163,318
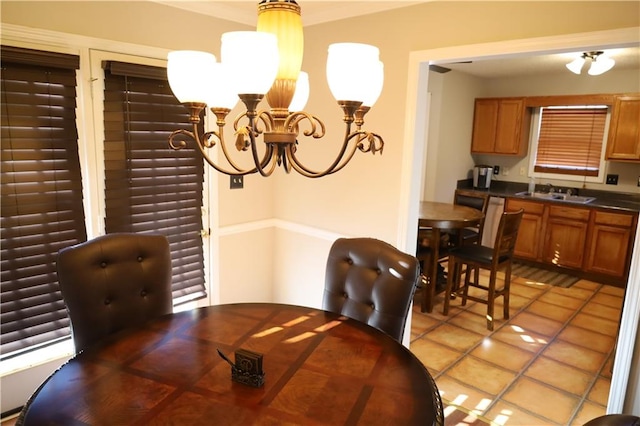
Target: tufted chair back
371,281
113,282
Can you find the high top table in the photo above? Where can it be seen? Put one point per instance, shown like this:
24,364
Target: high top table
320,368
438,217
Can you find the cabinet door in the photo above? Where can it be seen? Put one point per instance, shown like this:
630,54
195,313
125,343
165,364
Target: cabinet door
608,252
485,118
624,134
531,227
508,127
564,242
610,243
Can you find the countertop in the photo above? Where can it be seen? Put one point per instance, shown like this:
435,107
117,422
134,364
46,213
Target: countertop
603,199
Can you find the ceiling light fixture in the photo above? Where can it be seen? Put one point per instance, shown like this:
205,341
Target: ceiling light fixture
599,63
268,61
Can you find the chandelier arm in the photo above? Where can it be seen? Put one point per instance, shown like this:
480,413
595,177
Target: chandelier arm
337,164
292,124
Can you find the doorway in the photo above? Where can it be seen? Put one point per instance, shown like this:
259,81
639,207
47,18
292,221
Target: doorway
416,142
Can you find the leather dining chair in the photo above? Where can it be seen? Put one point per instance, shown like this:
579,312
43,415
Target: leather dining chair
474,199
371,281
113,282
481,257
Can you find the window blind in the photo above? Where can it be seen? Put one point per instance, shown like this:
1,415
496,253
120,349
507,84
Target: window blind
570,140
149,187
41,187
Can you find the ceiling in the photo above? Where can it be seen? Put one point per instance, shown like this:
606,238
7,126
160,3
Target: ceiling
320,11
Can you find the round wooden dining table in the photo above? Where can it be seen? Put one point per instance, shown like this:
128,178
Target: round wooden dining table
320,369
437,217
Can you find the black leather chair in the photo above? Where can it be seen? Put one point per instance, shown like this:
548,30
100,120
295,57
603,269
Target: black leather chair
614,420
476,200
494,259
371,281
113,282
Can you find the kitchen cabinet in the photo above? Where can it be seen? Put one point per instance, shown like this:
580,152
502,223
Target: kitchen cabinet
610,243
623,143
528,242
565,236
500,126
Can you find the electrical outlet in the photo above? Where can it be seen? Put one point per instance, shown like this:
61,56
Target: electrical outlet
237,182
505,171
522,171
496,170
612,179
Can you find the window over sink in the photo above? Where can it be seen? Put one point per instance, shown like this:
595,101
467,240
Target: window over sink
568,142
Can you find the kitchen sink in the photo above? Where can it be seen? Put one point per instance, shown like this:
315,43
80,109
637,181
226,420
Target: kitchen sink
557,197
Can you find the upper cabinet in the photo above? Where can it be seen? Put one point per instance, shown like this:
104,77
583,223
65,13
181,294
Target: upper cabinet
500,126
624,130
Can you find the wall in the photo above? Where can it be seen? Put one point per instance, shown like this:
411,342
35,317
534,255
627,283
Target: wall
565,83
452,116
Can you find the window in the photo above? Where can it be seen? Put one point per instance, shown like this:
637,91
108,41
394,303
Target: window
42,209
569,140
150,188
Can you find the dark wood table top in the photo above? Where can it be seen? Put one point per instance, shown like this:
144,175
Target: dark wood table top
320,368
447,215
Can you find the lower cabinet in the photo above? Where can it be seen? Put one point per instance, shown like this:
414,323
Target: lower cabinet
610,244
565,236
593,241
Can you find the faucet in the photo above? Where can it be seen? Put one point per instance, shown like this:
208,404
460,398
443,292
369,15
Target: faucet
550,188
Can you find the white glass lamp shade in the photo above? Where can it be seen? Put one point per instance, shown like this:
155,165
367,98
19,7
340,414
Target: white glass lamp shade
575,66
347,67
301,95
220,93
252,59
375,77
189,72
600,65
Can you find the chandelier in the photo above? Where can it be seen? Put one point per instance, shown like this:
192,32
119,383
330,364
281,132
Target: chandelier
599,63
267,62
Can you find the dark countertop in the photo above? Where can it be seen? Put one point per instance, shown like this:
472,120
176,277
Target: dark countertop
603,199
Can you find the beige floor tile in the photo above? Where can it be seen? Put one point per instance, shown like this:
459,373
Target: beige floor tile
602,311
505,414
481,375
587,338
421,323
561,300
434,355
527,290
588,411
454,337
608,299
460,394
503,355
599,325
600,391
517,336
576,293
472,322
548,403
577,356
614,291
559,375
587,285
547,310
537,324
607,370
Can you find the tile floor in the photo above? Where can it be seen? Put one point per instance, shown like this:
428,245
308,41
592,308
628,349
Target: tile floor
549,364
